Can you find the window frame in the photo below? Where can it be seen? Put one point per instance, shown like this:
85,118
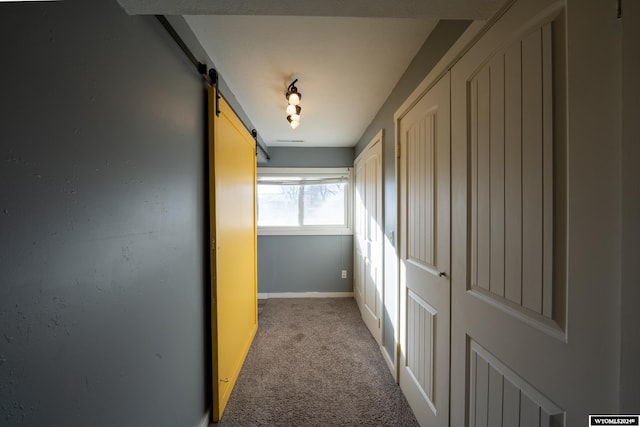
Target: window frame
309,230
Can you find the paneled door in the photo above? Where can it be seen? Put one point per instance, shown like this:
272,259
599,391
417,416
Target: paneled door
232,184
368,286
424,144
513,362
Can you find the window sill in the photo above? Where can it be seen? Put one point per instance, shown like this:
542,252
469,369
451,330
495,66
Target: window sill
276,231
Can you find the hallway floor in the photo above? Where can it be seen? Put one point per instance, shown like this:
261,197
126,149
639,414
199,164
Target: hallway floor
314,363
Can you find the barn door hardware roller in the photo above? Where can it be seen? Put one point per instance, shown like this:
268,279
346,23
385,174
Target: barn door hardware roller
213,76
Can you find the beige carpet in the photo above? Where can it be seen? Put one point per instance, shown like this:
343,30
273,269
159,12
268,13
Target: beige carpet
314,363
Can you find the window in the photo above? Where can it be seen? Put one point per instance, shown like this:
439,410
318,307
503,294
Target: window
304,201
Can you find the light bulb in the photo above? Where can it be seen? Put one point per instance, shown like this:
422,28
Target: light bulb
295,124
293,98
295,117
291,109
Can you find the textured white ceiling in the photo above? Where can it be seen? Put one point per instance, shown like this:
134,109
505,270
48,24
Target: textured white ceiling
346,68
347,54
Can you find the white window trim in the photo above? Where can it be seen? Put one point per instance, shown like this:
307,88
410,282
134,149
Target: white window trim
312,230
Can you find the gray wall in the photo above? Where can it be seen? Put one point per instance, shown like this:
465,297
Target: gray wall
102,221
182,28
436,45
630,374
306,263
309,157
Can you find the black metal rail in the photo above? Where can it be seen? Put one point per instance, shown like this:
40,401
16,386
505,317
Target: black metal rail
210,76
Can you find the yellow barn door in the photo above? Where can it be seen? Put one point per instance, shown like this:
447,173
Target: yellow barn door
232,183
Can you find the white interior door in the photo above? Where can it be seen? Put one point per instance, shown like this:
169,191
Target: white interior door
424,138
508,297
520,356
368,239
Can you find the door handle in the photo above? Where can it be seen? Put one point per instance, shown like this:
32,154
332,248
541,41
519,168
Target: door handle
442,274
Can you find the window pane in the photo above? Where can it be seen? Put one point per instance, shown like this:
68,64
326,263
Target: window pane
277,205
324,204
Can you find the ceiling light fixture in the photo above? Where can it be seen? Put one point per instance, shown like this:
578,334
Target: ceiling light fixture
294,108
294,123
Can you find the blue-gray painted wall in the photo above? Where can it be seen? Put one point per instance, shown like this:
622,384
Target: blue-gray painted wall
103,274
439,41
630,174
306,263
103,277
309,157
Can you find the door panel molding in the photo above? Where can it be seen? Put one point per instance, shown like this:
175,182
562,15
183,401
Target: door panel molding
421,325
421,218
498,396
514,175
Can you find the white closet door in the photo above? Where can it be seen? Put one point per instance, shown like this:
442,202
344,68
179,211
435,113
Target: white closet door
508,336
425,230
518,356
369,236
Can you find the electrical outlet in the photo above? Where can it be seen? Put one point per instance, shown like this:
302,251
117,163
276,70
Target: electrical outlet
344,274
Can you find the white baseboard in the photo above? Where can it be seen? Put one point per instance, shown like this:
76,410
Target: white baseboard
205,419
305,295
